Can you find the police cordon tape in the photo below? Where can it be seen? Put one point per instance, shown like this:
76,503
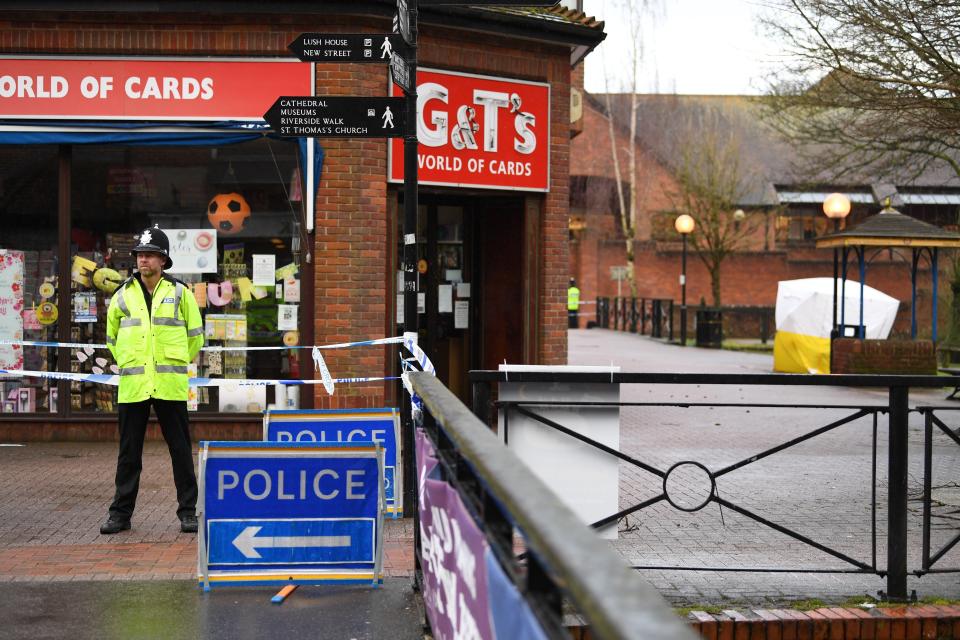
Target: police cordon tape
87,345
408,340
114,380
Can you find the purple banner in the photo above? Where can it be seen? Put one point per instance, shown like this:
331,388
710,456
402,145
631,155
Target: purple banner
454,566
468,596
426,455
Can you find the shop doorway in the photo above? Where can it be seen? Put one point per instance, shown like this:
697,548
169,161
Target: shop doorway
473,318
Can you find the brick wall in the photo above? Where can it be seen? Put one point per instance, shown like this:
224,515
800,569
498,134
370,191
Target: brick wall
884,356
853,623
239,428
351,256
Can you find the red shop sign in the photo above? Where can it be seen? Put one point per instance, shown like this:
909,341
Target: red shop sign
147,88
478,131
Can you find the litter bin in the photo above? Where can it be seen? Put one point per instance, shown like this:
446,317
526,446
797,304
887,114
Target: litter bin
709,328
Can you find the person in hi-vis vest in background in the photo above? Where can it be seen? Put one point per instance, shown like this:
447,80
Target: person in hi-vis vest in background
154,330
573,304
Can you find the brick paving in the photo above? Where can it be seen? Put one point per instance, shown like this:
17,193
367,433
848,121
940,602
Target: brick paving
56,496
819,488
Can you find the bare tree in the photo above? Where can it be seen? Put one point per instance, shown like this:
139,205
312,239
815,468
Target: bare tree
873,87
873,92
636,13
711,179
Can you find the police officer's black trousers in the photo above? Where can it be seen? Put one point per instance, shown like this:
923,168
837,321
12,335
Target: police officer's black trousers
172,415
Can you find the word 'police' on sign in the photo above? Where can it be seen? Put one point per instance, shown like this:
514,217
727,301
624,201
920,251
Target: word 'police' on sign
346,47
337,117
380,425
290,513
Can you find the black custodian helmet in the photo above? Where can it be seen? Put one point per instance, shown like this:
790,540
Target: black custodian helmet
155,240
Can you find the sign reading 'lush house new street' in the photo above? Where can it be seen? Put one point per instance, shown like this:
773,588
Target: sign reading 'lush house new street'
337,117
347,47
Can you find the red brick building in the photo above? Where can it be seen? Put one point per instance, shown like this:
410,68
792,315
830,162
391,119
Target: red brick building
149,113
781,203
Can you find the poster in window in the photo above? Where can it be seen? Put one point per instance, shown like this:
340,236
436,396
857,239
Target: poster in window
11,308
85,306
193,250
291,290
287,317
264,268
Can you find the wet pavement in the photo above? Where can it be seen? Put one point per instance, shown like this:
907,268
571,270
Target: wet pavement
174,610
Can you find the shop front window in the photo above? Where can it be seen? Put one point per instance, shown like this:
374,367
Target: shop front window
28,276
231,213
231,216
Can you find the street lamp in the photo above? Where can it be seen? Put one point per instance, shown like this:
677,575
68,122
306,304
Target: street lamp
684,225
836,206
738,216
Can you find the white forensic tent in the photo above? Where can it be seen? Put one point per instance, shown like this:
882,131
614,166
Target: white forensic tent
802,342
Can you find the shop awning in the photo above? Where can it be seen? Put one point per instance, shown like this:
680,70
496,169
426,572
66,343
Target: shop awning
166,134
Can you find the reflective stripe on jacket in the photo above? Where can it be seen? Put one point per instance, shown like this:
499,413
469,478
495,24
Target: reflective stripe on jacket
153,349
573,299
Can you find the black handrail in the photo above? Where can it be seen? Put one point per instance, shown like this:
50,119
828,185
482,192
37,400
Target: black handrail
614,600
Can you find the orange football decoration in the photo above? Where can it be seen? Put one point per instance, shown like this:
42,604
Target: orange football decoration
227,212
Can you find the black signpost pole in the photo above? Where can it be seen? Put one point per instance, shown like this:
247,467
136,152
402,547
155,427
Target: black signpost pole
410,206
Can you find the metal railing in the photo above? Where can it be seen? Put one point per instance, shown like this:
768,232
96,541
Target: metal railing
931,420
646,316
563,559
660,318
896,408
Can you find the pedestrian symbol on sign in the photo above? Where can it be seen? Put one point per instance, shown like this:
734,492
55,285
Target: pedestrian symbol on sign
386,50
387,118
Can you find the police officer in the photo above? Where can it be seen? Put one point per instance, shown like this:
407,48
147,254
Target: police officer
573,304
154,330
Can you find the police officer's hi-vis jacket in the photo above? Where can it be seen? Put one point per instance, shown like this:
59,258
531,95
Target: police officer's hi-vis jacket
152,347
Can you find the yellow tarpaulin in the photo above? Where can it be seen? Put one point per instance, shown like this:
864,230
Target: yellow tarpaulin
797,353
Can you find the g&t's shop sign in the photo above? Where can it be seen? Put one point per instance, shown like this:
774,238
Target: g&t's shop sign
147,88
479,131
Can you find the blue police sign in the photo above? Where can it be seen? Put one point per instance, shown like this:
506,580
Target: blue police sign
346,425
282,513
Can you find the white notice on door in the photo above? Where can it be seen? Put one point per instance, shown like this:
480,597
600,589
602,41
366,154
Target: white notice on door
461,314
445,298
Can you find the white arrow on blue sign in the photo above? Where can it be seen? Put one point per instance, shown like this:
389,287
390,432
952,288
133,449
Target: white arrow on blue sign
302,541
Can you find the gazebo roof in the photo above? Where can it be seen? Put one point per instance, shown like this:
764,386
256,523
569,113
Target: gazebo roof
890,228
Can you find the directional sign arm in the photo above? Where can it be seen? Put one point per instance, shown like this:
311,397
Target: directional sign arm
337,117
373,48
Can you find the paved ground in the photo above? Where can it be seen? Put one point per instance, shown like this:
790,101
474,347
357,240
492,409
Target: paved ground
819,488
60,578
55,495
